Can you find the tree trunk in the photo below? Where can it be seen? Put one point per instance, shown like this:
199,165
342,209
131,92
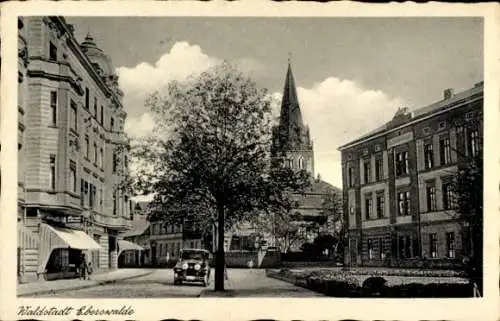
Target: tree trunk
220,257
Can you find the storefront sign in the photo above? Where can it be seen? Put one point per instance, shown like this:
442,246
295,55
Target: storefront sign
74,220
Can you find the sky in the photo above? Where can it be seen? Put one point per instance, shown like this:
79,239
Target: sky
352,74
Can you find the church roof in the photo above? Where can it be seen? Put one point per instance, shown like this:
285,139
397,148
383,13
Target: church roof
291,129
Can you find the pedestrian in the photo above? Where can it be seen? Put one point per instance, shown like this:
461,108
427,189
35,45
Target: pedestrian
83,267
89,270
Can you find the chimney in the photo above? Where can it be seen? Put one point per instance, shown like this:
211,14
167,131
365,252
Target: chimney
448,93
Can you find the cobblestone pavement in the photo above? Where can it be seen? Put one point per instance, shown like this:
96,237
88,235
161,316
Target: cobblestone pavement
159,284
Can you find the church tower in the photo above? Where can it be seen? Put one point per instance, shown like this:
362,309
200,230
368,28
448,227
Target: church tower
291,140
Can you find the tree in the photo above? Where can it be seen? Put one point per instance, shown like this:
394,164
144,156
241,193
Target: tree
468,189
209,159
332,210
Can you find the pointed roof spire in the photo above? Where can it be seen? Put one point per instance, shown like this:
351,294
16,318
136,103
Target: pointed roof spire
291,125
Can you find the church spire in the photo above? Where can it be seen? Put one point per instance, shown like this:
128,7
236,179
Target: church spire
291,126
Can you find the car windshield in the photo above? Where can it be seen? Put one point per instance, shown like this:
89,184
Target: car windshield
192,255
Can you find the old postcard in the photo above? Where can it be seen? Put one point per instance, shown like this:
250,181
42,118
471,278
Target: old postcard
217,161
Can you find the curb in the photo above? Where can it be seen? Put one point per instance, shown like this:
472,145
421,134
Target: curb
212,294
86,286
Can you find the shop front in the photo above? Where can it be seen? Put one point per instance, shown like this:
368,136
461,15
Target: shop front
60,250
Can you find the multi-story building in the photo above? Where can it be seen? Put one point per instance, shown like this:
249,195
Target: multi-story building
398,199
73,152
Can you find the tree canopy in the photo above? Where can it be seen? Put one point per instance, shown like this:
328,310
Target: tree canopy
209,156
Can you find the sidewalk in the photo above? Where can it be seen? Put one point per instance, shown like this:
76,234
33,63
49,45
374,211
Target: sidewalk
44,287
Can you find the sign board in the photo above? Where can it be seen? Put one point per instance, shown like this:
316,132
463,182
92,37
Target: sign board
74,219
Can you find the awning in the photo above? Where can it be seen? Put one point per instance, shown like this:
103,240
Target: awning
127,245
52,237
75,239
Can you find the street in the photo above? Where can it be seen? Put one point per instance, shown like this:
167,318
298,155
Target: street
160,284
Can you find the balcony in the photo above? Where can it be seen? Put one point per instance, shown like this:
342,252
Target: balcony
115,222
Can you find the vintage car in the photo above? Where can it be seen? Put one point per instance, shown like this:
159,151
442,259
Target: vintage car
193,266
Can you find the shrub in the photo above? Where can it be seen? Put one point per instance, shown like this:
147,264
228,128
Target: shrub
374,285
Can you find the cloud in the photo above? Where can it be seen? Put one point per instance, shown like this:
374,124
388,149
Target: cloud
338,111
137,127
181,61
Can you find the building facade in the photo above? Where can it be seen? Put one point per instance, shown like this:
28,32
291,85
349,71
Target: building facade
398,200
72,152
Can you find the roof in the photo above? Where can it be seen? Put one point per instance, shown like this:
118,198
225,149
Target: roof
138,227
314,196
423,111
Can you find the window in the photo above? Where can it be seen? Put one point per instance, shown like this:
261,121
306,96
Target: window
404,203
367,171
444,150
86,191
102,115
448,196
429,156
301,162
379,169
52,52
370,249
115,162
351,177
473,142
112,124
82,192
368,206
433,245
125,161
87,147
72,175
87,98
100,196
125,198
73,116
380,205
401,247
401,163
408,252
381,248
101,157
95,107
53,106
91,195
115,203
431,198
95,153
52,172
450,244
